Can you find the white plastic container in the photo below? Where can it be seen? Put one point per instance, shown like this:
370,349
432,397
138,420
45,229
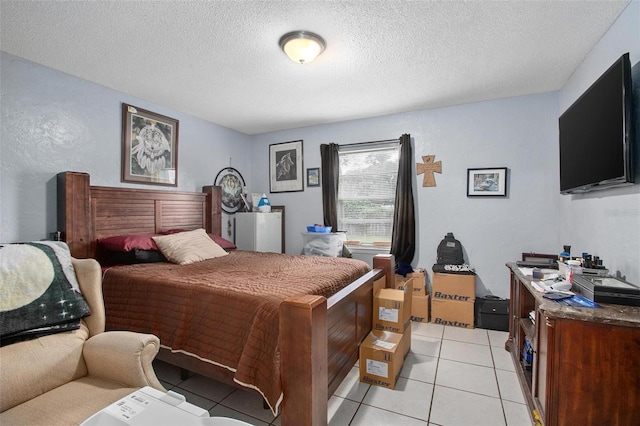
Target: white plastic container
319,244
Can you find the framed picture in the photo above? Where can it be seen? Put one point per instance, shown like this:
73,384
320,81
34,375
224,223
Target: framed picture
285,167
232,187
149,147
313,176
487,182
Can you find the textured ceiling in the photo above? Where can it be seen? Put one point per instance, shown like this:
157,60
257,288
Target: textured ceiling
220,60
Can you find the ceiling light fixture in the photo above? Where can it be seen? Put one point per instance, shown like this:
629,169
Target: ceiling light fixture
302,46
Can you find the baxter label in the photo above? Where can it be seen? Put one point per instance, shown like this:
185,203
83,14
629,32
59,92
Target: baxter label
439,295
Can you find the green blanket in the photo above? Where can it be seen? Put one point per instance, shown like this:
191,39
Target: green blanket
39,293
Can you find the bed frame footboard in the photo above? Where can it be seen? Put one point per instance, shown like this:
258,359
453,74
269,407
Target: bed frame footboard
319,344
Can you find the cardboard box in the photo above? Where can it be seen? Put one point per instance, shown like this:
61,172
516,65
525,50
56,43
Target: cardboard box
419,280
454,287
392,309
382,354
452,312
420,308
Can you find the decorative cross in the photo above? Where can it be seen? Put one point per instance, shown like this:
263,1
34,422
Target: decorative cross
428,168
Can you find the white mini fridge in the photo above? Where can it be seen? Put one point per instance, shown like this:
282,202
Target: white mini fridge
259,231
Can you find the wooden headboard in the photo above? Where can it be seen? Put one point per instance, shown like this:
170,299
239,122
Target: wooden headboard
87,213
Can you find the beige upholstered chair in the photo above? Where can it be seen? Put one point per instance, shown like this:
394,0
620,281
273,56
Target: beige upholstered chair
64,378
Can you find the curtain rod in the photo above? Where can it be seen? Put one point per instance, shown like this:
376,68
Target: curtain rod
346,145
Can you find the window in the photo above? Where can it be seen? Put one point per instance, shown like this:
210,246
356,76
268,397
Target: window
367,190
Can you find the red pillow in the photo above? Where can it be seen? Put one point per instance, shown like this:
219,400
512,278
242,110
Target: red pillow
128,242
225,244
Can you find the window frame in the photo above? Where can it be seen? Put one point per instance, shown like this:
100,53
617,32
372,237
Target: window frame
369,240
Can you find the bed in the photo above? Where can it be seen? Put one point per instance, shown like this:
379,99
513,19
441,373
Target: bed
318,336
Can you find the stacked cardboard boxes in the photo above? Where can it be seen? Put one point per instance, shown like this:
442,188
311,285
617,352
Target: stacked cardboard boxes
383,351
420,295
453,300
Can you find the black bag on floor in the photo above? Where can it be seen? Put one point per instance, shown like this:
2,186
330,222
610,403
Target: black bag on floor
492,312
450,251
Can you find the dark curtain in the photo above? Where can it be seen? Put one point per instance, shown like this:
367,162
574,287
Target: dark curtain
330,163
403,237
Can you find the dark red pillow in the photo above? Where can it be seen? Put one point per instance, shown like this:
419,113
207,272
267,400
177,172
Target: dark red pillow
128,242
225,244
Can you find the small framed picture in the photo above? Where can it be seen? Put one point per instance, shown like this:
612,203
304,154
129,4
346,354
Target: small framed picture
487,182
313,176
285,167
149,147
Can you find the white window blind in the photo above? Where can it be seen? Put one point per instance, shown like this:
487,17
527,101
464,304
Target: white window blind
366,192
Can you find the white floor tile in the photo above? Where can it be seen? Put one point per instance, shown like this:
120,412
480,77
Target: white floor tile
455,407
428,329
474,335
419,367
372,416
425,345
250,403
448,378
167,386
509,384
341,411
208,388
351,387
516,414
167,372
222,411
466,352
502,359
410,398
467,377
498,338
195,399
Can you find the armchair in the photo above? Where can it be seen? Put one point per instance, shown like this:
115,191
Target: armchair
64,378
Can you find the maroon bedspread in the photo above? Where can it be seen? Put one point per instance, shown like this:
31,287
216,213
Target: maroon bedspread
225,310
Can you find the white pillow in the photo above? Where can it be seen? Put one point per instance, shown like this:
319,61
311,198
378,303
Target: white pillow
188,247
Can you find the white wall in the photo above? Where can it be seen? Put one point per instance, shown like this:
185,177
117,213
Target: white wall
518,133
607,223
53,122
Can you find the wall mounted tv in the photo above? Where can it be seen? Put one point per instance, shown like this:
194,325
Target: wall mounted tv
596,134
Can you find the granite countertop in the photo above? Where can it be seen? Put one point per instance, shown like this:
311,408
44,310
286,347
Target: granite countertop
607,314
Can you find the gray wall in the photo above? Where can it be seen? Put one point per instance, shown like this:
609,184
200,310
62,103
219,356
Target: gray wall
517,133
53,122
607,223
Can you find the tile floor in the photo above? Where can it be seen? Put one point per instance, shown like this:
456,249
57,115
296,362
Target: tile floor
452,376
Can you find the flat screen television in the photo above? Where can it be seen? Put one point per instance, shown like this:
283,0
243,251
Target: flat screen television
596,134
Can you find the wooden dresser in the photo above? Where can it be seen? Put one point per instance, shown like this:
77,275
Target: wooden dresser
584,362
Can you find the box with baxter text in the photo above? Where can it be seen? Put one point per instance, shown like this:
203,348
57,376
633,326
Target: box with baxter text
392,309
382,354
